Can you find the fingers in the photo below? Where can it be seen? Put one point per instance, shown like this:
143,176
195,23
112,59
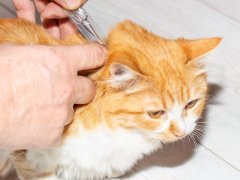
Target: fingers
25,9
90,56
57,9
58,28
51,25
70,4
41,4
53,11
66,28
82,57
84,90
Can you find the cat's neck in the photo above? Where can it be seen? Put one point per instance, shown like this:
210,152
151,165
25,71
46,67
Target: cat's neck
88,116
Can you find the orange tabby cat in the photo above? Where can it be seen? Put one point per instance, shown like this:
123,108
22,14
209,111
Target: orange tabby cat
151,91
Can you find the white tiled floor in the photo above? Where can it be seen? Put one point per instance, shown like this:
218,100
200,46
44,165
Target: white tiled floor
218,156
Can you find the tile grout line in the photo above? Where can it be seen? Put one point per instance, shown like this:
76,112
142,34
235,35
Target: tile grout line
235,22
215,154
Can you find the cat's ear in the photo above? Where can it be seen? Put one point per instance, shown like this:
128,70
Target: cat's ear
123,77
195,49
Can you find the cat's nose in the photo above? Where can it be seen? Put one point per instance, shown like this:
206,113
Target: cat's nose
179,133
177,129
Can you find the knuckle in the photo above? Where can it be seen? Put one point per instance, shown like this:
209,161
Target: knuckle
99,56
96,55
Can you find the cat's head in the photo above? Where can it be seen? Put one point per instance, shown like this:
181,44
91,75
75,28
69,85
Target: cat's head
153,85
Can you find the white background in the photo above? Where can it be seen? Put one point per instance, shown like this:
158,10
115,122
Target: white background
218,156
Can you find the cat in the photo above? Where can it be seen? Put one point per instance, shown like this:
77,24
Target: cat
150,91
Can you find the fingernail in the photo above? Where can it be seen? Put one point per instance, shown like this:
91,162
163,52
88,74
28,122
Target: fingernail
73,4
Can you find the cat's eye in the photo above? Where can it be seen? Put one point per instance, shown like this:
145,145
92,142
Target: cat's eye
156,114
191,104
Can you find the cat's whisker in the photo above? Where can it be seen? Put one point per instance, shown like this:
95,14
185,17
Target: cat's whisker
193,140
201,122
200,130
198,134
200,127
190,140
198,137
187,140
141,92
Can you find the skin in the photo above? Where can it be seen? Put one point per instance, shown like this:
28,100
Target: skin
53,15
39,84
38,92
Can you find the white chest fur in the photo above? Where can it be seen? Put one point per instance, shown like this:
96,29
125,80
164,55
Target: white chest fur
102,153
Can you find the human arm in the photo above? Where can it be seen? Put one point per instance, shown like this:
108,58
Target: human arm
38,87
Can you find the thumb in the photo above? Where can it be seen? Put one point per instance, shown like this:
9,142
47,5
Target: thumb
70,4
83,57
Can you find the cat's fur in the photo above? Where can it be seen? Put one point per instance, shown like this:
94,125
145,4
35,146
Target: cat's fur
151,91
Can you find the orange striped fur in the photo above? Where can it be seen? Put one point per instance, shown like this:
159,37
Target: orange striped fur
146,81
168,72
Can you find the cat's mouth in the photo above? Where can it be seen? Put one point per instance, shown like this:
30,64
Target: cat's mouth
171,137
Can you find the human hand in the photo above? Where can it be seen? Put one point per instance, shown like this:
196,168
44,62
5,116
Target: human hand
53,15
39,86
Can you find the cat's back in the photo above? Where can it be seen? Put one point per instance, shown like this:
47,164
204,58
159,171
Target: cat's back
20,31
